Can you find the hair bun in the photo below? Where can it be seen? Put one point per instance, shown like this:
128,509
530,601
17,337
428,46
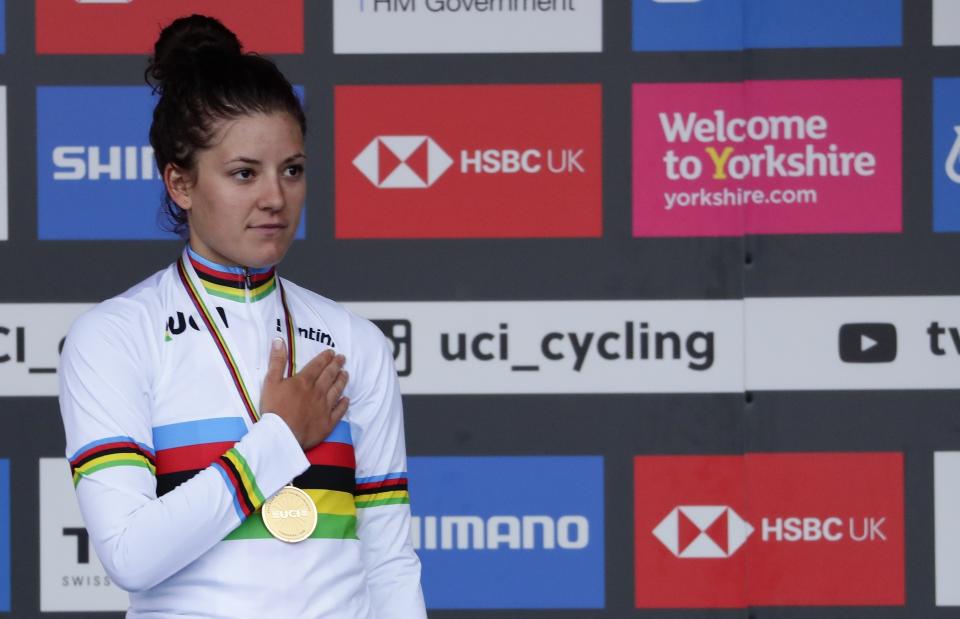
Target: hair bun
179,45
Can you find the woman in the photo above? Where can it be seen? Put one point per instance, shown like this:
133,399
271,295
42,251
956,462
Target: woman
194,397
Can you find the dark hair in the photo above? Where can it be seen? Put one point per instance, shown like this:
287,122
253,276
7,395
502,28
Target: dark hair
202,76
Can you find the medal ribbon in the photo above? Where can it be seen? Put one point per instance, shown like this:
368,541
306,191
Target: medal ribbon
221,342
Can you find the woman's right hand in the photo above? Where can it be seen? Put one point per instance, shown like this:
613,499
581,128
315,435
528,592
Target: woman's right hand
310,401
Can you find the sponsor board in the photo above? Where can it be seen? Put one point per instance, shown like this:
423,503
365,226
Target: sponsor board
567,346
854,343
946,22
31,337
97,177
468,161
478,347
946,497
485,542
764,529
707,25
132,26
946,153
4,195
466,26
767,157
72,579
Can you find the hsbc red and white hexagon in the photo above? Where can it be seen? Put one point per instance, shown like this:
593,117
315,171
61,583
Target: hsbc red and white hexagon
770,529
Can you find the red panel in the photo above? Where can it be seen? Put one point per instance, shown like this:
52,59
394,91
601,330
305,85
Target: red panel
524,161
71,27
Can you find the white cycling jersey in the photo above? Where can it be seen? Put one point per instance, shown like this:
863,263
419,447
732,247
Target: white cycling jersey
170,469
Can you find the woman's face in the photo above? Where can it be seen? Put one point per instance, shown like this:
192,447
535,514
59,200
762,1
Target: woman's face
244,198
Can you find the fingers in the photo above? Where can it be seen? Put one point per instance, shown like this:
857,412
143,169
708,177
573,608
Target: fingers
311,371
336,390
339,410
278,361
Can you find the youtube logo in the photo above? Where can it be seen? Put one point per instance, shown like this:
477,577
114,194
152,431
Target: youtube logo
868,342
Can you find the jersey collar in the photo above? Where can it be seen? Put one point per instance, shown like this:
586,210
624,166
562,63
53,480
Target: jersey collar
230,282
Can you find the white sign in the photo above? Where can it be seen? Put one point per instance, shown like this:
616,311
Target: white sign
946,517
30,341
466,26
71,576
564,346
853,343
946,22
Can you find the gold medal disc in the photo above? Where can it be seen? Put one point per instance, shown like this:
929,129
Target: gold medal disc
290,515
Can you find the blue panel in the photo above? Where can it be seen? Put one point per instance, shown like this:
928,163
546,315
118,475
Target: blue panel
488,572
4,535
3,27
98,134
717,25
946,152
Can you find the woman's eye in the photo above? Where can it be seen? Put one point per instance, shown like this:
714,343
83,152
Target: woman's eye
294,170
244,174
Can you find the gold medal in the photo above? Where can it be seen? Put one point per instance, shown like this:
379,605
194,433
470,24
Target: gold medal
290,515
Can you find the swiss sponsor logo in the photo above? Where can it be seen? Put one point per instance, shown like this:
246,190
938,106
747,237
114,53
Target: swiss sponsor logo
131,26
946,154
97,177
946,485
468,161
767,157
466,26
703,25
739,531
564,346
71,576
519,545
4,197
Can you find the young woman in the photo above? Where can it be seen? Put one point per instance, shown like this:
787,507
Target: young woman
237,441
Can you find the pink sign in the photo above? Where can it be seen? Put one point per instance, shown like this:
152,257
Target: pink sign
767,157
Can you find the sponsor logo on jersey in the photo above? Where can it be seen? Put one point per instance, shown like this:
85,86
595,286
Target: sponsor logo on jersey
131,26
739,531
767,157
72,579
468,161
519,545
946,485
946,154
466,26
97,178
704,25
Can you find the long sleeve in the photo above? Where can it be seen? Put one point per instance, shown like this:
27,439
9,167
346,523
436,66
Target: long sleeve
383,505
105,396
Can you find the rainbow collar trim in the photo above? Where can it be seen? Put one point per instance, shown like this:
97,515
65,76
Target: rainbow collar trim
233,282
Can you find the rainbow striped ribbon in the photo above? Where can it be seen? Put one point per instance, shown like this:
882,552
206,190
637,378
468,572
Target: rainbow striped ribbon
221,343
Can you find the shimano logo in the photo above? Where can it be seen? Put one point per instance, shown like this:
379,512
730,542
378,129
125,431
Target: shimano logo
496,532
129,163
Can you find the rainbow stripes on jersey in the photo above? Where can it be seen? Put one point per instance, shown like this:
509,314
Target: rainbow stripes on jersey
389,489
247,497
110,452
184,449
230,282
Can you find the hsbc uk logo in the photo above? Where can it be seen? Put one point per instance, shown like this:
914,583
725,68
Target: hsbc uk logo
417,161
403,161
703,531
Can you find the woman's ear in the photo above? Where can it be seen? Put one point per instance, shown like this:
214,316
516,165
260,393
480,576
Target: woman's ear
178,182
